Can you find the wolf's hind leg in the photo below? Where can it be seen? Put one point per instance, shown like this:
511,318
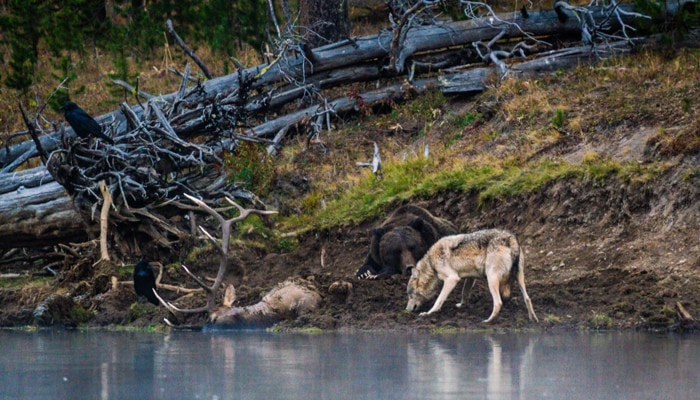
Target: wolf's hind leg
505,289
521,283
468,285
528,302
493,278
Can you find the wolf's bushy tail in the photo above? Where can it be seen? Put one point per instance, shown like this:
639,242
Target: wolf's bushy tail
518,265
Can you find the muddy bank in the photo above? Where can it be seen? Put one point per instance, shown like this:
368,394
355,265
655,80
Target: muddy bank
600,257
607,256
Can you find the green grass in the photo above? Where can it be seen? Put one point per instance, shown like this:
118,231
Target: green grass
513,181
558,119
25,281
600,322
287,244
125,272
419,178
551,319
79,314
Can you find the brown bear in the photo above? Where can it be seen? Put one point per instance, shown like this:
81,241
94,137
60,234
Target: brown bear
400,241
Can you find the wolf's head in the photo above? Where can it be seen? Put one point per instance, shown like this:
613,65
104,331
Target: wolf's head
421,287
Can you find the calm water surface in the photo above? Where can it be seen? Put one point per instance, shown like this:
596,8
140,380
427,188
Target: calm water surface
261,365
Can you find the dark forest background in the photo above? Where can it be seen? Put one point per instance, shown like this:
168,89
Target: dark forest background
75,31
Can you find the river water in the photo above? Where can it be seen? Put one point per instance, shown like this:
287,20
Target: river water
362,365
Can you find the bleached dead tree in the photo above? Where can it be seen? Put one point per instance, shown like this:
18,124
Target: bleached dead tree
599,22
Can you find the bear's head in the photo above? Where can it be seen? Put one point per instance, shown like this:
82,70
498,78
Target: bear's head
401,248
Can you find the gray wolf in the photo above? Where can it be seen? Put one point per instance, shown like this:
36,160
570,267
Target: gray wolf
492,253
401,240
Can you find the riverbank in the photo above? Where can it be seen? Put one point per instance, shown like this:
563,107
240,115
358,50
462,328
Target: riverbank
597,257
599,181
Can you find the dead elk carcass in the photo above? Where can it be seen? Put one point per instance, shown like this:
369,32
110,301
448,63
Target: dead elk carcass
287,300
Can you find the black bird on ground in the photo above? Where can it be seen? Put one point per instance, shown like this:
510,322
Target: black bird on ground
145,281
82,123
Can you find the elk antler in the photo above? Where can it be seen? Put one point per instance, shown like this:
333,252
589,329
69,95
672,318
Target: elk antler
223,246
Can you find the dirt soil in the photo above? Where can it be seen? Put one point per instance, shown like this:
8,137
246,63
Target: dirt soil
598,255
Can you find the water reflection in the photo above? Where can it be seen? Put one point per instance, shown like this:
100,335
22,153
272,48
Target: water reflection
258,365
480,366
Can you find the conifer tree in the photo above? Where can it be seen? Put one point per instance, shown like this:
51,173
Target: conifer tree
22,35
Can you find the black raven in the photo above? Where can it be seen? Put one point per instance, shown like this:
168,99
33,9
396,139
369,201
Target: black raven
523,13
82,123
145,281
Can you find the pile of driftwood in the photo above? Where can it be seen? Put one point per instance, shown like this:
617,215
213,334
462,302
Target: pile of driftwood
167,151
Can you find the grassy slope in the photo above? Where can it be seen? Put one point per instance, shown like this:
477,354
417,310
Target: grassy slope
510,140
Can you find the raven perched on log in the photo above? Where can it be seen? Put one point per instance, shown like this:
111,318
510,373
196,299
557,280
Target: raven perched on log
145,281
82,123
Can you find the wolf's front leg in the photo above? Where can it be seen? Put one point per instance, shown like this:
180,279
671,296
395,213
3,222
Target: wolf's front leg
447,287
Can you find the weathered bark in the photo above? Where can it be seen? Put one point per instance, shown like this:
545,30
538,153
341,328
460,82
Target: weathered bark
342,105
24,179
474,80
39,216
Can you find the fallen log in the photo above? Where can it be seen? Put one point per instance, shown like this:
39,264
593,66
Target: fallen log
343,105
21,180
474,80
39,216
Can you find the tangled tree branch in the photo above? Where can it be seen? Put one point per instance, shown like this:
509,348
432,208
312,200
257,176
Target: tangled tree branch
151,166
597,30
187,50
223,246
